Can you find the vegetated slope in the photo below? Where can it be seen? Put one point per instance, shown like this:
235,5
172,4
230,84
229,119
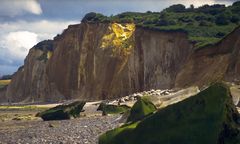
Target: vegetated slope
210,117
3,88
4,83
205,25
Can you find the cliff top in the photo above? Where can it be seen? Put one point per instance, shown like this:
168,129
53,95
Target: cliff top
205,25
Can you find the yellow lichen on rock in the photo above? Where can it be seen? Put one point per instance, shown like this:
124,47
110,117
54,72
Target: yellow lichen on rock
49,54
119,38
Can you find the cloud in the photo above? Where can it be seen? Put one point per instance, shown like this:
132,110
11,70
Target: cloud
18,43
11,8
16,38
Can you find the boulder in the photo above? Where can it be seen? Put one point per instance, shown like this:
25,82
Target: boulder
62,112
112,109
209,117
141,109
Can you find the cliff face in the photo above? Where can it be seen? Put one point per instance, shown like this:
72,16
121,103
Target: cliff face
88,62
159,56
212,63
100,61
29,83
92,61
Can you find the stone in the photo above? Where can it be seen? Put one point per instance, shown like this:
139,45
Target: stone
112,109
211,113
63,112
142,108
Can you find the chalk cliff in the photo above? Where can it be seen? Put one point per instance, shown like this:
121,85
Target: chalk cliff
93,61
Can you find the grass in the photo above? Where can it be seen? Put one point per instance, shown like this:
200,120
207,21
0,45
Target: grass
4,83
24,107
209,117
205,25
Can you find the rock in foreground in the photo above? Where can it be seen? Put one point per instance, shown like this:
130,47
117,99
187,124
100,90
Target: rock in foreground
140,109
209,117
63,112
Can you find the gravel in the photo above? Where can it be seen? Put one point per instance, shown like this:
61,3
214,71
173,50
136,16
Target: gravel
85,130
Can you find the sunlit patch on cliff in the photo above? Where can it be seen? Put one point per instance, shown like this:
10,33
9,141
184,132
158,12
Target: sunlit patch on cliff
119,38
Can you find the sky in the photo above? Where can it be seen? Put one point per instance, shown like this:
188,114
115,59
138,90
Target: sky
24,23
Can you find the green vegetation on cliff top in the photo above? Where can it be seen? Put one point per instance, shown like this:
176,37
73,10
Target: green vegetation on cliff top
207,118
205,25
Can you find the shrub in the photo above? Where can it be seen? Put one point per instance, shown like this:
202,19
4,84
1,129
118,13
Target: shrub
93,17
235,19
6,77
220,35
222,20
176,8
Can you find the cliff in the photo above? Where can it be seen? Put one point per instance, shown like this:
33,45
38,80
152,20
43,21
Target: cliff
93,61
30,82
213,63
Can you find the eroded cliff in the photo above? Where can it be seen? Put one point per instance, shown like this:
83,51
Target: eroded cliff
104,61
93,61
213,63
30,82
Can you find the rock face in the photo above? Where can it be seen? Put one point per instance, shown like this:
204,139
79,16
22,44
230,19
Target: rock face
30,82
93,61
212,63
120,59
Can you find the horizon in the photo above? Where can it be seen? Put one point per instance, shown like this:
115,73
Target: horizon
25,23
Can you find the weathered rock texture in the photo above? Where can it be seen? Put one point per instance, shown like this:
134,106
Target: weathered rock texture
212,63
30,82
92,61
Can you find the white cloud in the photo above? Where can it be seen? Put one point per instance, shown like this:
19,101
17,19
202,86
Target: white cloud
16,38
18,7
18,43
45,29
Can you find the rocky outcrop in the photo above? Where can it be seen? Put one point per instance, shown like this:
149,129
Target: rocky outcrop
104,61
213,63
208,117
93,61
30,82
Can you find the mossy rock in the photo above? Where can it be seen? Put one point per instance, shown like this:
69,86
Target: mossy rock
141,109
112,109
210,117
62,112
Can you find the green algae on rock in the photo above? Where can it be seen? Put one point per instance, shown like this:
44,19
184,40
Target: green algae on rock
62,112
210,117
112,109
142,108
